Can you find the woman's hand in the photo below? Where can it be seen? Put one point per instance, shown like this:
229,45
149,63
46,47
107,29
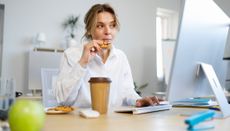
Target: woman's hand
90,49
146,101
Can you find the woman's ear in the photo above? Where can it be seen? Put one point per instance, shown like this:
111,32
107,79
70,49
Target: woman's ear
89,35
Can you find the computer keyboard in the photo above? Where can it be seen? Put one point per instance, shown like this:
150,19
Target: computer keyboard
142,110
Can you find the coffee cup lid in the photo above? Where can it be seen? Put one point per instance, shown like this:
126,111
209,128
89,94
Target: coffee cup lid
100,80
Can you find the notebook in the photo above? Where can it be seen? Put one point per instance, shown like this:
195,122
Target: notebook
142,110
195,102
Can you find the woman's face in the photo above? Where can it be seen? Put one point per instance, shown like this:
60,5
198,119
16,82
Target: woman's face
105,27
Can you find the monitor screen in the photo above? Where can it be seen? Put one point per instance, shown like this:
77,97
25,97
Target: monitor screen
202,36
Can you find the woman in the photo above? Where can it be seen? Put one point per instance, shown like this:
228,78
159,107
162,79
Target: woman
78,66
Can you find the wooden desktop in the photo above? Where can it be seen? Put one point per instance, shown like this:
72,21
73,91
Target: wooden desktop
159,121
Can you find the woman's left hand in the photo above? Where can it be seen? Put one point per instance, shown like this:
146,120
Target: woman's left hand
147,101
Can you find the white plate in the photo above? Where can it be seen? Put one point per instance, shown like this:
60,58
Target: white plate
55,112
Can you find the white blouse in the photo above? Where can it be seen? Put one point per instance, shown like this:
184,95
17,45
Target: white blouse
72,86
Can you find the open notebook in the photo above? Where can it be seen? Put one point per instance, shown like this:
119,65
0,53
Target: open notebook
142,110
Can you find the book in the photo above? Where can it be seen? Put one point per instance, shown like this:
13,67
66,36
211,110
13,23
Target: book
142,110
194,102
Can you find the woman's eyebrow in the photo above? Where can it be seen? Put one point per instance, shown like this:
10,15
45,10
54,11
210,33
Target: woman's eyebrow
113,21
100,23
104,23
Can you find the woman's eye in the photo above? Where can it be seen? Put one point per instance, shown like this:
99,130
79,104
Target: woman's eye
112,25
100,26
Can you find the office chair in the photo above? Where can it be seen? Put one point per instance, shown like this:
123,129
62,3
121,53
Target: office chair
48,77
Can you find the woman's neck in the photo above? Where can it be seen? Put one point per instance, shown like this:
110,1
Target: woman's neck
104,55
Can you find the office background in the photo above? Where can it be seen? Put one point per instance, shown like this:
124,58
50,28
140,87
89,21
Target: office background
137,38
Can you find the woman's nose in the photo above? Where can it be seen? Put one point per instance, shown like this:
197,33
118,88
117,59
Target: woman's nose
107,30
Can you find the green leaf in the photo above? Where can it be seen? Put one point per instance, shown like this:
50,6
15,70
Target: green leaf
71,22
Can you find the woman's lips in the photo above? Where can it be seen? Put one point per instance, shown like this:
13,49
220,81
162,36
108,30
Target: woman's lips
107,40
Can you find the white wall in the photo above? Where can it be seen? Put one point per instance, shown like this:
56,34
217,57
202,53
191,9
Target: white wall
24,18
225,5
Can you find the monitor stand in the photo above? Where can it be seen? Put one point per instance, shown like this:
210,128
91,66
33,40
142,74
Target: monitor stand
217,89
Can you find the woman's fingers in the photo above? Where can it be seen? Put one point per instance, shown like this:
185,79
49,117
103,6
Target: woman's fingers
94,46
160,99
90,50
155,100
146,101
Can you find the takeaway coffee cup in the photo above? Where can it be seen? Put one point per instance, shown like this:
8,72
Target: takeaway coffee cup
99,89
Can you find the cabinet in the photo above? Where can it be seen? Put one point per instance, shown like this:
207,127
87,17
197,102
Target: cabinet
41,58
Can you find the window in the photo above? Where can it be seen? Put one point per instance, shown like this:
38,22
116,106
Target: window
166,32
168,24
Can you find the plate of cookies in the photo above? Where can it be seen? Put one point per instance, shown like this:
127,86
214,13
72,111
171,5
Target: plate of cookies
59,110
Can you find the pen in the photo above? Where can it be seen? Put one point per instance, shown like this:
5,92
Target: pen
216,108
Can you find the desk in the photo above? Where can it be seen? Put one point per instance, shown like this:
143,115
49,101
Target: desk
157,121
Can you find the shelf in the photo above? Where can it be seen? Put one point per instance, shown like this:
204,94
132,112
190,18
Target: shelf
35,98
48,50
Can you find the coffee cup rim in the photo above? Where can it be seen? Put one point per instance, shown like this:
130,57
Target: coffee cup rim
100,80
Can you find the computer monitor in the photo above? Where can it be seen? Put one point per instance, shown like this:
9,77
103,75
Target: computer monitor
202,36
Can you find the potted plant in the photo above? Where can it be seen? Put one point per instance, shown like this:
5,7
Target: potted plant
70,25
139,88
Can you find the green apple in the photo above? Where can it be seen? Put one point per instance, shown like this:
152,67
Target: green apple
26,115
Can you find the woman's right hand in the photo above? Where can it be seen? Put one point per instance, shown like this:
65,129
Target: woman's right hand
90,49
147,101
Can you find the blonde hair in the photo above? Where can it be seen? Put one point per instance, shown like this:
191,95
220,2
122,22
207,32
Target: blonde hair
91,18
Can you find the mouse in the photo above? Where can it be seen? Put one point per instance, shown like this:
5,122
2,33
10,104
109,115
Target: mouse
88,113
